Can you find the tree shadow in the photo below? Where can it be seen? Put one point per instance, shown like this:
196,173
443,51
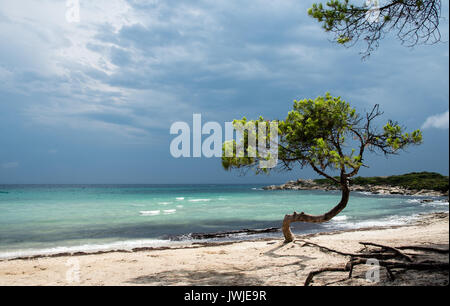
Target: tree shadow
302,258
300,263
236,275
197,278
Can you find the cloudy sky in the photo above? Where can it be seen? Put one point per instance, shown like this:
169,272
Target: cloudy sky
92,101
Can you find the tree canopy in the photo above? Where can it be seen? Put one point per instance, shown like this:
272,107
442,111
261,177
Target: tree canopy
413,21
325,133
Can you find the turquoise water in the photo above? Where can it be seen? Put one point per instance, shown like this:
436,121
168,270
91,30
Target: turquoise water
50,218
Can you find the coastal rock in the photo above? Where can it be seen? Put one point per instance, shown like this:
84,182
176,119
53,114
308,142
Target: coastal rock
308,184
271,187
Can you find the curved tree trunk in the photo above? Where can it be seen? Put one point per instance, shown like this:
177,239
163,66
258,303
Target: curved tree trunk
302,217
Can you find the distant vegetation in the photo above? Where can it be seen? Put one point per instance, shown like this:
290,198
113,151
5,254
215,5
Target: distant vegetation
413,180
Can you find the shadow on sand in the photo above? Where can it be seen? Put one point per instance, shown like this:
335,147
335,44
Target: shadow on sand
193,278
242,274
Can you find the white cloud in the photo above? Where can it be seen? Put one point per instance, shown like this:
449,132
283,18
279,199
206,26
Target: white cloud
169,50
132,67
439,121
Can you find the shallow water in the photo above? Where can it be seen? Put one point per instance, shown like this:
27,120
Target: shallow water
37,219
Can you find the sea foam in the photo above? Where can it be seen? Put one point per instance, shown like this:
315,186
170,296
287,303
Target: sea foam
150,212
435,204
169,211
386,221
89,248
340,218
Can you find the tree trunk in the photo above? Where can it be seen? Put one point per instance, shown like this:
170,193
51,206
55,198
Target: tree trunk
302,217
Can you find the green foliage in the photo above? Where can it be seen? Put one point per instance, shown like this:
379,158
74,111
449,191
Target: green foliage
314,130
336,12
316,133
249,153
343,39
395,139
413,180
414,21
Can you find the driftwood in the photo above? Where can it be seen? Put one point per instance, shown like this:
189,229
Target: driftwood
326,269
426,249
394,250
358,255
229,233
388,257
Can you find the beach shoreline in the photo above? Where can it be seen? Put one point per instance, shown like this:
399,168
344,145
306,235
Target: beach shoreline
66,220
263,261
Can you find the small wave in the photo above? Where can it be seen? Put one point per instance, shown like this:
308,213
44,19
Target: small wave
88,248
150,212
370,193
221,199
179,206
434,204
199,200
164,203
169,211
340,218
179,198
428,203
413,201
387,221
365,192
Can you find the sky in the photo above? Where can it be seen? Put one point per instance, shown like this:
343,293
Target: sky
93,101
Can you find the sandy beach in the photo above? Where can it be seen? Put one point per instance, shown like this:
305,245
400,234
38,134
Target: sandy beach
259,262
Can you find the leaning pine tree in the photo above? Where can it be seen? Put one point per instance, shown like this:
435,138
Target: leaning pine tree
320,133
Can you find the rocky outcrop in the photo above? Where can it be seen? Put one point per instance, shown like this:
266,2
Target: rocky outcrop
302,184
307,184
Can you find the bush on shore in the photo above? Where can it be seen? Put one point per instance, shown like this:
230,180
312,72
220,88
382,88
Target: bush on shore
413,180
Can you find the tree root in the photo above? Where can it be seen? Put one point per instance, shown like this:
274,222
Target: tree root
395,250
389,257
374,254
326,269
426,249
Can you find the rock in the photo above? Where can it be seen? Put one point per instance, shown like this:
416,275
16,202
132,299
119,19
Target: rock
309,184
396,191
358,188
271,187
426,201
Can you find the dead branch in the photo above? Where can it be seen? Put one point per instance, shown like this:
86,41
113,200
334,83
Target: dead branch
423,265
395,250
306,243
426,249
326,269
384,252
374,254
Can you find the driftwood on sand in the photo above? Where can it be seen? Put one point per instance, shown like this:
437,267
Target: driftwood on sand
387,257
230,233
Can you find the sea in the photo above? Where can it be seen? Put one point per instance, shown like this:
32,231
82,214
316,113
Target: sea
51,219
